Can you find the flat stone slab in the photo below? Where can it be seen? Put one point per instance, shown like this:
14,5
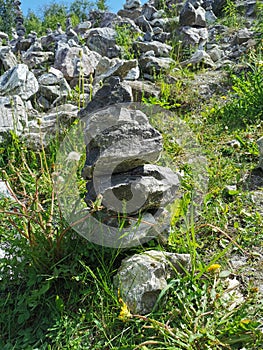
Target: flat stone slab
117,140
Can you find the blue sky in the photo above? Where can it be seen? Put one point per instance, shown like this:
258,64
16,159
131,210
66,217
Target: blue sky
34,5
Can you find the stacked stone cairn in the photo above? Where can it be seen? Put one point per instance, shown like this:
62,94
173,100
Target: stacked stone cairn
121,144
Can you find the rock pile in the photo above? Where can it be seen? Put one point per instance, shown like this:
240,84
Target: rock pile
92,51
120,145
193,23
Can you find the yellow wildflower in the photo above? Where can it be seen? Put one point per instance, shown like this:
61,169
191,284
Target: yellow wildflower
213,268
125,312
245,321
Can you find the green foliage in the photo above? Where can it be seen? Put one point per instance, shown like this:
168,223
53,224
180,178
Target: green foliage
48,309
52,14
35,206
245,106
161,5
80,9
231,16
102,5
125,38
33,23
176,94
7,16
200,315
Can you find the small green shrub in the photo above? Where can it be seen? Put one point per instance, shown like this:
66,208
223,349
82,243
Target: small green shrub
125,38
245,105
231,16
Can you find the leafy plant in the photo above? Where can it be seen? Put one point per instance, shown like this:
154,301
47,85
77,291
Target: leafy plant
200,314
32,209
125,38
245,106
231,16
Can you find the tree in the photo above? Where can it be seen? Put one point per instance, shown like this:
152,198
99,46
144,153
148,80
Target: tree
53,14
33,23
101,5
81,8
7,16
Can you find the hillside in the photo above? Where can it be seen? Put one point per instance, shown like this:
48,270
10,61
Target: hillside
131,157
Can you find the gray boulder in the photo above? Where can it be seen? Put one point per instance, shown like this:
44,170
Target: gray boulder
192,14
13,116
147,187
200,57
133,74
103,228
100,19
242,36
117,67
49,41
194,36
131,14
22,45
7,58
113,91
73,61
155,65
82,27
143,24
144,89
18,81
251,8
218,6
119,139
3,36
42,128
119,142
53,77
159,49
53,87
216,53
132,4
148,11
103,41
142,277
34,59
160,23
210,17
161,36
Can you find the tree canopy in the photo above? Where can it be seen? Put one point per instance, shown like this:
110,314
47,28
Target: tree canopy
7,16
49,16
